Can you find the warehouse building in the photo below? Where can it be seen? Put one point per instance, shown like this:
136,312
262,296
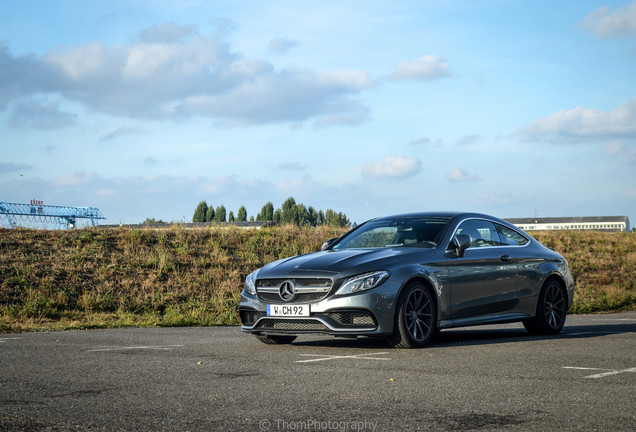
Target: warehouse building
598,223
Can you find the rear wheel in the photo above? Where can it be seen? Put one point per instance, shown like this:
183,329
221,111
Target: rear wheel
551,310
276,340
414,318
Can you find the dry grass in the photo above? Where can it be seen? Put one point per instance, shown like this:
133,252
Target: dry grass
120,277
603,265
93,278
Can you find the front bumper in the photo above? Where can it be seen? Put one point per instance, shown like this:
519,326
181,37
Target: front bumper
367,313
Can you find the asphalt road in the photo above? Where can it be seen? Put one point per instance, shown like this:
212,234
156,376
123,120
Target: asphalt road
210,379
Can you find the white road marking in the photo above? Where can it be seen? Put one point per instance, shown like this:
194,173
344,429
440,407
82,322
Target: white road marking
609,372
615,372
155,347
3,340
323,357
582,368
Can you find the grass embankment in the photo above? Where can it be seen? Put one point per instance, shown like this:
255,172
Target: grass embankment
603,265
93,278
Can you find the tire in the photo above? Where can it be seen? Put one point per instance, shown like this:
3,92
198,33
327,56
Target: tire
414,317
551,310
276,340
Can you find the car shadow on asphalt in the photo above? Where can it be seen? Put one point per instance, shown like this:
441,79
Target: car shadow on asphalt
479,336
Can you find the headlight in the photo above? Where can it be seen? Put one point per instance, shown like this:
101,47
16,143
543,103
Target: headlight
250,286
363,282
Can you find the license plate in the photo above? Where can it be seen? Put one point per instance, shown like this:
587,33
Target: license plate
288,310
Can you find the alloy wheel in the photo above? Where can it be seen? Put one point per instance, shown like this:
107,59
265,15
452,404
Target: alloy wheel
554,306
419,314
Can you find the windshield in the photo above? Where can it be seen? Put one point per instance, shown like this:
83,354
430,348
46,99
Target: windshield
398,232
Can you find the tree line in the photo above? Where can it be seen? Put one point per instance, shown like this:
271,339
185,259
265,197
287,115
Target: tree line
289,213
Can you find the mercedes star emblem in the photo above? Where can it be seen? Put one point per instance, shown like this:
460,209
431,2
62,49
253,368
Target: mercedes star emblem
287,290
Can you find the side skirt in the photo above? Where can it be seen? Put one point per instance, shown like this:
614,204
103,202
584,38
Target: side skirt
483,320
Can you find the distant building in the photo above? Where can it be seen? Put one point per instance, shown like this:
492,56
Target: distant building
600,223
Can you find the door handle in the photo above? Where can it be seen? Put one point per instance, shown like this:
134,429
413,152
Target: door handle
505,258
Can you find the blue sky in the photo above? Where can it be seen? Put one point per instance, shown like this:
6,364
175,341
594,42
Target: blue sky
143,109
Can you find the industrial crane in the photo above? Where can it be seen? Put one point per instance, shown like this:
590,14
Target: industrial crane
36,211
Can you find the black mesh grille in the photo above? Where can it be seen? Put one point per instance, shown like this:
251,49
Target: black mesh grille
351,318
291,324
298,282
305,282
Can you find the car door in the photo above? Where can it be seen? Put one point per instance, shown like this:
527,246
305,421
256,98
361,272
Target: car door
484,280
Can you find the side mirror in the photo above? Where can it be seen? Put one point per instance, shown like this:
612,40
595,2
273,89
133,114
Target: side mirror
328,243
461,242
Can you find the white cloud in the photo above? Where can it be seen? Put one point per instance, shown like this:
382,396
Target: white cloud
467,140
291,166
166,33
630,157
605,23
583,124
614,147
171,72
10,167
75,179
37,115
392,167
426,68
352,118
281,45
420,140
289,96
119,132
460,175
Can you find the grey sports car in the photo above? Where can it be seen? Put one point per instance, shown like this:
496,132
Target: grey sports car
405,277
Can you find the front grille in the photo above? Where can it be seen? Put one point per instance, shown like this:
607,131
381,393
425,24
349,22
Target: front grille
291,324
307,290
305,282
300,298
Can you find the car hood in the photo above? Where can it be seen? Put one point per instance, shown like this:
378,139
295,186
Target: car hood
349,261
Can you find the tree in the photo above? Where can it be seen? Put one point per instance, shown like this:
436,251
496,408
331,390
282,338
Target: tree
334,219
200,212
220,214
302,216
242,214
209,216
266,213
321,218
312,216
154,221
289,212
278,216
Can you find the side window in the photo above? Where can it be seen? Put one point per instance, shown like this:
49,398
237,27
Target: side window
482,233
510,237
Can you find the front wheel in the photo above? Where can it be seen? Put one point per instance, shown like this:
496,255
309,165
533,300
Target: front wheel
551,310
414,318
276,340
